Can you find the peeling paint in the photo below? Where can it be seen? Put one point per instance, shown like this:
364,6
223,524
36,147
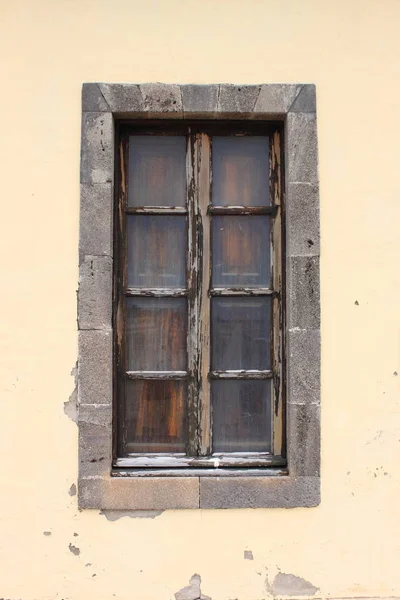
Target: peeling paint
192,591
70,407
74,549
114,515
286,584
46,533
72,490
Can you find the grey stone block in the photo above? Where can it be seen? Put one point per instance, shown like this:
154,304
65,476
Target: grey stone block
123,98
138,493
92,99
95,441
304,357
95,293
97,147
95,367
96,220
306,100
302,217
276,99
98,415
303,308
303,434
162,100
259,492
235,99
199,100
301,136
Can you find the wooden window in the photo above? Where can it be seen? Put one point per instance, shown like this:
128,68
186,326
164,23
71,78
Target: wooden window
198,291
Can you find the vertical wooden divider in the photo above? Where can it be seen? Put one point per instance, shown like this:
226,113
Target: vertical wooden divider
205,441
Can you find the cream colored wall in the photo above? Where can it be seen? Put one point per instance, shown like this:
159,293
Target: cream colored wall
349,545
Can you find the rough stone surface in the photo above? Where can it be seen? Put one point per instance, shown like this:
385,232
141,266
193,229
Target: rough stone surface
92,99
301,134
123,98
199,100
97,415
95,367
138,493
306,100
286,584
302,217
276,99
97,147
96,220
303,433
303,307
304,377
259,492
237,98
95,449
95,293
161,98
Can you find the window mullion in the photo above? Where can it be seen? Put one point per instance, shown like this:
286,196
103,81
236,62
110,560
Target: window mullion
192,284
205,421
277,284
120,282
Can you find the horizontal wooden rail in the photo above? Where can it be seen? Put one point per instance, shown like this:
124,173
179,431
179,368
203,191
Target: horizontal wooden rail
156,292
242,374
242,291
156,210
156,374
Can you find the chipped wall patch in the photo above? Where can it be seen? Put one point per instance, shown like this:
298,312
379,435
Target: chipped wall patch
72,490
192,591
70,407
74,549
114,515
286,584
248,555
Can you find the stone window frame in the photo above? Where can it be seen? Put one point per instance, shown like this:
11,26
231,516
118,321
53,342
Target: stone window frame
295,105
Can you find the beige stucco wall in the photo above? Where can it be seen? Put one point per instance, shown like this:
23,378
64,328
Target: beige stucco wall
349,545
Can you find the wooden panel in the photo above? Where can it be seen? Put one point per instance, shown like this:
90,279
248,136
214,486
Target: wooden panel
156,334
156,251
240,171
241,416
157,171
155,416
241,333
241,251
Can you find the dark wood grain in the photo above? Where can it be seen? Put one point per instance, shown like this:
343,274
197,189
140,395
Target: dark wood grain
155,416
156,334
240,171
241,251
157,173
